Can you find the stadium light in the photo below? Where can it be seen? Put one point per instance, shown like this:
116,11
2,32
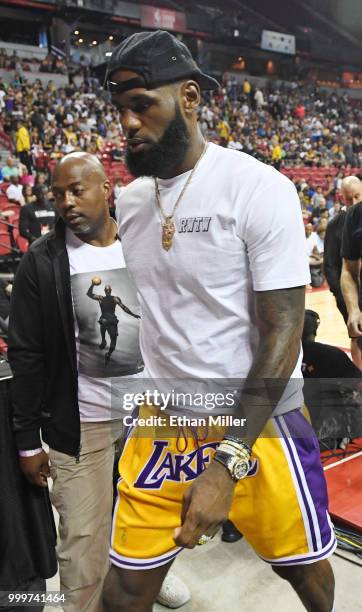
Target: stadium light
110,37
94,42
76,32
80,40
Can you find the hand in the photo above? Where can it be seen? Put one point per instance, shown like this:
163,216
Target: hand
36,468
354,324
205,505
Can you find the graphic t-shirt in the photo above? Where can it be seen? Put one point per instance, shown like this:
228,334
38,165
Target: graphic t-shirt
239,230
106,327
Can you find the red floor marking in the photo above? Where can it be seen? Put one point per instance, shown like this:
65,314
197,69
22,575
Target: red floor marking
316,289
344,482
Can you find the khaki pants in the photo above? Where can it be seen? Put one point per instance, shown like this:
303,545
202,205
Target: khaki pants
82,494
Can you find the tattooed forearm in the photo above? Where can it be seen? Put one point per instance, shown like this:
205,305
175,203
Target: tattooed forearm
280,317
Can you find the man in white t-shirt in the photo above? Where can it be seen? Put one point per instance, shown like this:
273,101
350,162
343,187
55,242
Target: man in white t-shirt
214,241
310,239
63,386
15,191
315,256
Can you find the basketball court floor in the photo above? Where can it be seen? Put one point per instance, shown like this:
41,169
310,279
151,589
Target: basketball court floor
230,577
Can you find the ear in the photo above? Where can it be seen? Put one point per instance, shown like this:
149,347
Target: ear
107,188
190,96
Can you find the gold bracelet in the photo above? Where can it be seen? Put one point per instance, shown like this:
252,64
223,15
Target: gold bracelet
236,447
233,452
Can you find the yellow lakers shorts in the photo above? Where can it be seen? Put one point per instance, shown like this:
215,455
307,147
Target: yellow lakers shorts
280,507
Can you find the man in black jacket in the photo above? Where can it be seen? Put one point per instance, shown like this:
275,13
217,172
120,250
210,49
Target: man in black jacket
62,386
53,346
352,192
351,271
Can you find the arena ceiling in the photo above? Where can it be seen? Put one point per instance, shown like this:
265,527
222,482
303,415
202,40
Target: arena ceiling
336,19
341,17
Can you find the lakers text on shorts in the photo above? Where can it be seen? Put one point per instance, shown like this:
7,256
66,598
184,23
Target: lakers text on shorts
280,507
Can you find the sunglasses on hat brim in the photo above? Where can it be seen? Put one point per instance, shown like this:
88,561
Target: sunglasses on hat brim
117,88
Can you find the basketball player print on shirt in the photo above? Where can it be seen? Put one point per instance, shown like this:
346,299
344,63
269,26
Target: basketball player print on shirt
107,315
108,321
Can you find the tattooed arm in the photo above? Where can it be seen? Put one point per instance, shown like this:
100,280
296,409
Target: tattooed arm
280,316
350,289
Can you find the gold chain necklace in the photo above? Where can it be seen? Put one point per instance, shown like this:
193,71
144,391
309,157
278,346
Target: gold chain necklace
168,225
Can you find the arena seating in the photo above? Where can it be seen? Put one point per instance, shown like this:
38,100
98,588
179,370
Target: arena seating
114,169
12,245
316,175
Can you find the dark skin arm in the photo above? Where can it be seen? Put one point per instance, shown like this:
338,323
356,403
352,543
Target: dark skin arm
36,468
92,295
124,308
350,289
280,317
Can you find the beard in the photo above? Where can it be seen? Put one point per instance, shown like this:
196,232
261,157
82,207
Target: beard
166,154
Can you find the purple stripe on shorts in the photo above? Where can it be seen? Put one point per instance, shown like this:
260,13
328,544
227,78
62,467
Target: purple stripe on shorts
309,456
146,564
310,558
300,484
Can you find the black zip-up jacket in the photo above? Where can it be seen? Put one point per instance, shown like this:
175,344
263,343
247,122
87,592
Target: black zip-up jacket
332,257
42,351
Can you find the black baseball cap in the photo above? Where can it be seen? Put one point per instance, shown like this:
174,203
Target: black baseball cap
159,58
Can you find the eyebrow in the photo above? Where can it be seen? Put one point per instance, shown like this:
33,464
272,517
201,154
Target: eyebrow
133,99
74,184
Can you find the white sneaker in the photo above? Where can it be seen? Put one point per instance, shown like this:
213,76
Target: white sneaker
174,593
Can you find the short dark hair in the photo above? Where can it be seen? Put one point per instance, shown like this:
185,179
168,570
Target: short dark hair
311,324
39,191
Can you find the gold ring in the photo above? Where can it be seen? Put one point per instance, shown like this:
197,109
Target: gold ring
204,539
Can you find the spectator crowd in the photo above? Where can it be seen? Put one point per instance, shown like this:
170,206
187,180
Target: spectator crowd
54,121
290,126
295,125
50,63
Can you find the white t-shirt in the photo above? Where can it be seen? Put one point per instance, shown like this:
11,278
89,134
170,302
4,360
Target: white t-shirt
117,191
319,244
102,381
310,243
15,192
239,229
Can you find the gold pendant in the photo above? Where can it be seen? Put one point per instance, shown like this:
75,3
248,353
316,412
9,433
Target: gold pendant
168,231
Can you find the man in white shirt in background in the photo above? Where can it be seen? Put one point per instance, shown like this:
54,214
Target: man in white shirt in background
15,191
